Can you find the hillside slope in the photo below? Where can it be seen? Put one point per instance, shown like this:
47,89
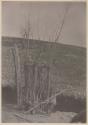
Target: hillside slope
67,63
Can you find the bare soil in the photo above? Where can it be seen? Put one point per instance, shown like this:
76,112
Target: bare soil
10,114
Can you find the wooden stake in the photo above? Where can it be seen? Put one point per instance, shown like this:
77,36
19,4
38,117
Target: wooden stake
18,72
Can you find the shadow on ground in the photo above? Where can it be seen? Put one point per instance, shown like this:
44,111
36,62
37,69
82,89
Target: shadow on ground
70,104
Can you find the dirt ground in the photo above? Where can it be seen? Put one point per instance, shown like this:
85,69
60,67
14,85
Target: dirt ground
11,115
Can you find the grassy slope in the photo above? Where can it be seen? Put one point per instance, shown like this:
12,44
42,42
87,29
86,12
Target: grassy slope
68,62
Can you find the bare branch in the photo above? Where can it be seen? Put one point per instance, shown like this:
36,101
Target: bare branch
26,30
62,24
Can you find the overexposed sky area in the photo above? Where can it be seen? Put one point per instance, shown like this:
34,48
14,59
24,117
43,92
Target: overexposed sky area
45,19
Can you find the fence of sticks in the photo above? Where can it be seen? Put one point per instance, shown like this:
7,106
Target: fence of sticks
35,93
36,89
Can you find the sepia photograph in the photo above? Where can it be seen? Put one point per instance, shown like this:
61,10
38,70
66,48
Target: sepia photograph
43,62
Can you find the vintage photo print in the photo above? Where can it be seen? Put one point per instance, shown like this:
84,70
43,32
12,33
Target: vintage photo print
43,60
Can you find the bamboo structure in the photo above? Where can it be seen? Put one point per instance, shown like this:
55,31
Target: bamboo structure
37,86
